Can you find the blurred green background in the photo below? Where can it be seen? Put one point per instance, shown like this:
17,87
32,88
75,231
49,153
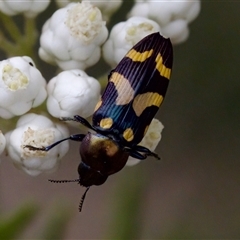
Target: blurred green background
194,191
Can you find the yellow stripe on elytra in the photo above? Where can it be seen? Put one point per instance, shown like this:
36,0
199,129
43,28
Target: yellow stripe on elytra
106,123
128,134
142,101
163,70
123,87
139,56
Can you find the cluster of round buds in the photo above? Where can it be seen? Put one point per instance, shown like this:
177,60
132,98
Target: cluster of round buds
22,86
70,92
72,37
38,131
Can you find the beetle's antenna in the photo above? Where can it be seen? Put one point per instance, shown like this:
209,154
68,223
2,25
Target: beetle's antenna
64,181
82,199
74,180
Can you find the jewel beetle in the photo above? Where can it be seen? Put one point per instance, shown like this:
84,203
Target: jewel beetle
135,90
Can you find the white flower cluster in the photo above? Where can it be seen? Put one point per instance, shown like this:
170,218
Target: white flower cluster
172,16
72,37
21,86
150,140
72,92
29,8
38,131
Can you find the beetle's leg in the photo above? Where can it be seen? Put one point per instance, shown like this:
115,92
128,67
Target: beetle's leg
146,151
138,155
79,119
75,137
141,152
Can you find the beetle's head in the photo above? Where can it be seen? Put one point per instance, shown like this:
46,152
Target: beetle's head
101,157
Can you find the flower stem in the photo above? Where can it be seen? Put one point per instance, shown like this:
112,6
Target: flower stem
30,31
18,44
10,27
5,45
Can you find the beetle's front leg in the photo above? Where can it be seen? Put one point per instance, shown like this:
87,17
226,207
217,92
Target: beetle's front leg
75,137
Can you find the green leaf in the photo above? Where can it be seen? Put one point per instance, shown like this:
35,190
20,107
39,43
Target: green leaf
12,226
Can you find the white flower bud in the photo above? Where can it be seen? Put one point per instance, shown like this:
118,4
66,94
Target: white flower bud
21,86
37,131
72,37
172,16
124,36
71,93
150,140
2,142
30,8
107,7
